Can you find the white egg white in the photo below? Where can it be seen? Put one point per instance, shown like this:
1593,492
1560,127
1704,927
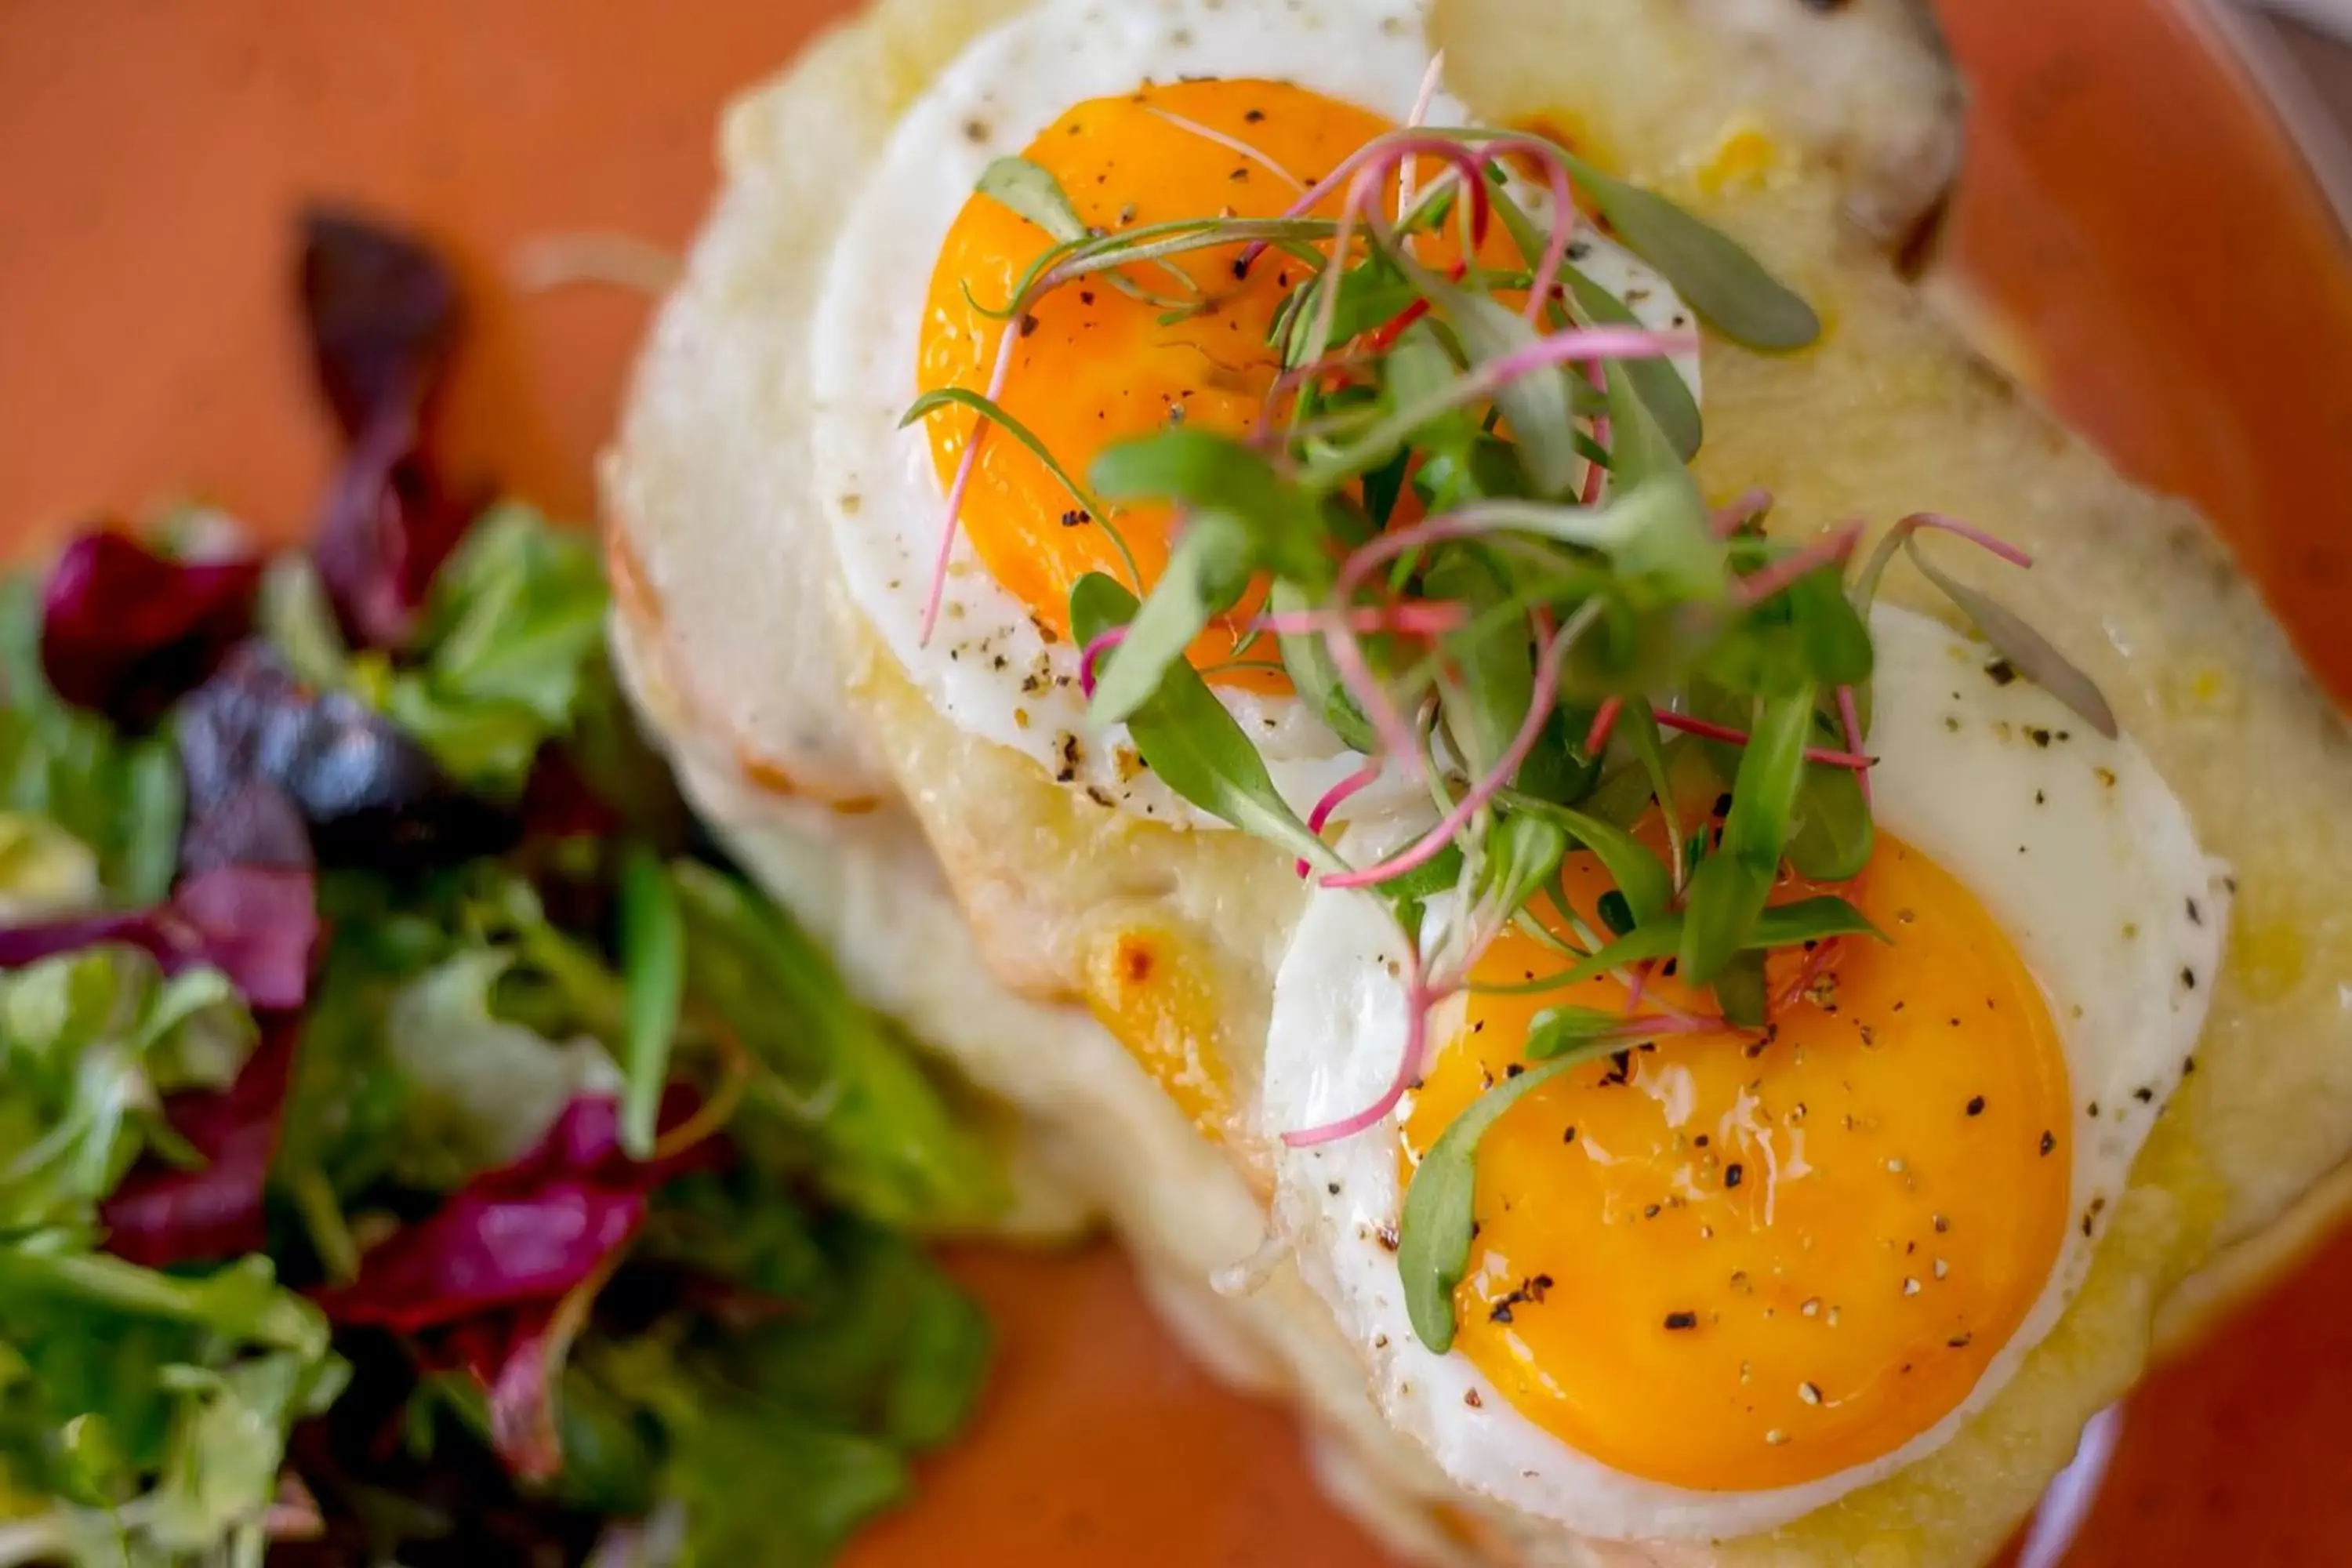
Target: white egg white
988,668
2071,842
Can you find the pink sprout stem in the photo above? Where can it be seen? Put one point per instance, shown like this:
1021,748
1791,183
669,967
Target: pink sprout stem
1385,151
1835,545
1430,80
1604,723
1419,617
1418,1001
1595,474
1334,797
1426,618
1970,532
1347,655
1232,144
1850,715
1092,657
1729,520
963,483
1817,963
1724,732
1554,649
1635,986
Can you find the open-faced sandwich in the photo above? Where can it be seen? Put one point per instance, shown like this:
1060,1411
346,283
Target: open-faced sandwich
1621,869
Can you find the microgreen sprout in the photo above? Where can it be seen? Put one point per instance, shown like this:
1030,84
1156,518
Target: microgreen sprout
1491,573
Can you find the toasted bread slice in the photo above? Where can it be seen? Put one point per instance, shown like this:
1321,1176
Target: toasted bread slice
1823,138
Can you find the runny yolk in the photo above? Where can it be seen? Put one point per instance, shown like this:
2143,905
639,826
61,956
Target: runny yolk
1734,1264
1093,366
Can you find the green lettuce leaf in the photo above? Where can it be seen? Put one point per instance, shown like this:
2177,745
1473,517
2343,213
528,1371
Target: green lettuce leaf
121,798
513,635
833,1079
150,1410
479,1090
90,1044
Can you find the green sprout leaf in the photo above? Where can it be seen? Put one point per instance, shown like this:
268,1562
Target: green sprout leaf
1308,658
1523,854
653,963
1557,1030
2034,657
1206,571
1728,892
1721,281
1433,1233
1780,925
1189,738
1032,191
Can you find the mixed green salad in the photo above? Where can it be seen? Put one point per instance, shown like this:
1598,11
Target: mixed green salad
417,1144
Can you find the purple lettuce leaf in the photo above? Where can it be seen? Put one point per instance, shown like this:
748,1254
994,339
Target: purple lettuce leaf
382,313
256,924
128,632
161,1215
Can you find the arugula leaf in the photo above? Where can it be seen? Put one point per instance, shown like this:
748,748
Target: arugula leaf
1831,831
832,1076
1213,475
513,634
1189,738
1661,385
1729,891
653,963
1739,990
1641,877
90,1044
1665,393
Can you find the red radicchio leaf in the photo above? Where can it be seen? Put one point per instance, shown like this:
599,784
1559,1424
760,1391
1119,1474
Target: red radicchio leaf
161,1215
382,311
257,924
524,1233
126,631
388,525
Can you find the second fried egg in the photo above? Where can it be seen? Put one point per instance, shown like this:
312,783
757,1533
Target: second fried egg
1719,1282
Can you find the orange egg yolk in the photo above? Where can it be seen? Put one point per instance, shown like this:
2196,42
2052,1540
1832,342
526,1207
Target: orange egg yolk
1732,1263
1092,365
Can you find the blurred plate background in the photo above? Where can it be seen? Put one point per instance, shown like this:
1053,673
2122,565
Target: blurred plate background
2137,236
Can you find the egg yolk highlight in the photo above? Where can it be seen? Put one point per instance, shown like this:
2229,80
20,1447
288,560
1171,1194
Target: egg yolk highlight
1732,1263
1093,366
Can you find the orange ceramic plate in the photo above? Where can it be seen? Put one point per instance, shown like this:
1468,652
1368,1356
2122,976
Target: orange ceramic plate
2151,252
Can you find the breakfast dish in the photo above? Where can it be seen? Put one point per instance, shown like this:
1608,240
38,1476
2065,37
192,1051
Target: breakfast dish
1624,872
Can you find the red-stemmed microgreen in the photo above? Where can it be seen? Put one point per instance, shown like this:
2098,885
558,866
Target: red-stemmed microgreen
1491,572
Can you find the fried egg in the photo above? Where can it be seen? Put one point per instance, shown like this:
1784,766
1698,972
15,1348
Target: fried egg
1144,113
1716,1283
